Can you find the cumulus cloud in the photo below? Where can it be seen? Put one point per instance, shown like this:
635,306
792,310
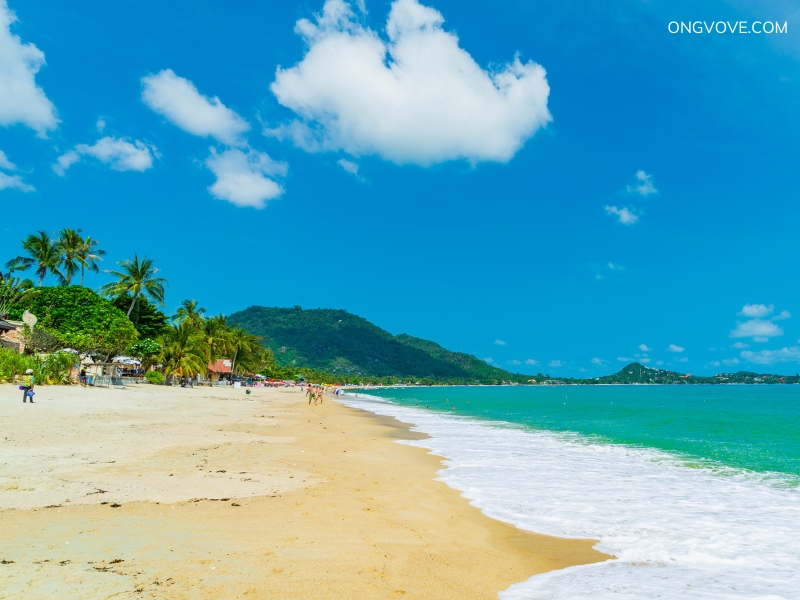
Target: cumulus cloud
514,362
415,97
488,359
119,154
599,362
770,357
245,178
499,342
729,362
756,310
554,363
643,186
615,267
644,348
675,348
626,215
740,345
784,314
531,362
758,329
6,164
21,100
180,102
626,359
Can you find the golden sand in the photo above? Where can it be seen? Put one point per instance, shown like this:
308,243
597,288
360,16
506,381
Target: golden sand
156,492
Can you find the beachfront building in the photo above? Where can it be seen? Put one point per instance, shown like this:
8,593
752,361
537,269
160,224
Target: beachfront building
11,334
219,371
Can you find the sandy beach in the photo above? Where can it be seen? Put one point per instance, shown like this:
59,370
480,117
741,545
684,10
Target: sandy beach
157,492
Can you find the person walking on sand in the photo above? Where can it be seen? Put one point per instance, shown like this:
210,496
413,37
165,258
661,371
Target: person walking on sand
27,386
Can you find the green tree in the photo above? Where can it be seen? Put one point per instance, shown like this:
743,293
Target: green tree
11,292
88,255
182,354
79,317
190,313
245,348
43,253
136,278
215,334
148,320
71,243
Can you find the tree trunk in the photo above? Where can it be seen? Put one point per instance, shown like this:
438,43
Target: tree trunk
81,275
133,303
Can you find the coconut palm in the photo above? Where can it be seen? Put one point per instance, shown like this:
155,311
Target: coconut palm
191,314
11,291
182,352
136,278
215,333
44,254
244,347
88,255
71,244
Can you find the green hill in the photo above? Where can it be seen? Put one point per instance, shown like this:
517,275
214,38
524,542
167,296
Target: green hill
338,342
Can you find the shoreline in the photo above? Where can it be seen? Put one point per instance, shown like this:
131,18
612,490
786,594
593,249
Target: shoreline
225,495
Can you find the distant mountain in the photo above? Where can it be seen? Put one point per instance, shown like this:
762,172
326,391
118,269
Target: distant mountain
338,342
638,373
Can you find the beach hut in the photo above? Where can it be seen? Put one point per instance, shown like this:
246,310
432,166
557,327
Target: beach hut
219,371
11,334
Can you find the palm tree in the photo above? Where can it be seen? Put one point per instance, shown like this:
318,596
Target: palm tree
136,278
71,244
12,291
88,255
216,337
243,345
182,352
43,253
190,314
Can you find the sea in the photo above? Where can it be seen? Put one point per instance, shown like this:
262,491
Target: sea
694,489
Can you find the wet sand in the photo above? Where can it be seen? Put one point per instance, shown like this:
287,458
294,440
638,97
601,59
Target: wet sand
155,492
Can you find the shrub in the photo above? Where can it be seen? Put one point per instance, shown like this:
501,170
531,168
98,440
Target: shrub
53,369
154,377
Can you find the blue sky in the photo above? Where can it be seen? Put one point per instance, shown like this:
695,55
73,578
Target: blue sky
557,187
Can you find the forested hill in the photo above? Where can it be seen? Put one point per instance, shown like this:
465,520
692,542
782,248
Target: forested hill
338,342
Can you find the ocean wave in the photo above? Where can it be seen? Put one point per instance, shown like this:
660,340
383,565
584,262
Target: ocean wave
677,531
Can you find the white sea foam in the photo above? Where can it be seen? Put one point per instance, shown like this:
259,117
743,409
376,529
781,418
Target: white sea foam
677,531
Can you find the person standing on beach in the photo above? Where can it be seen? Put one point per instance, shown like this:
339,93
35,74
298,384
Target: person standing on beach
27,385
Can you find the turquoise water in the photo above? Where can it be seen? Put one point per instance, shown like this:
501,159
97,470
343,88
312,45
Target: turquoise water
750,427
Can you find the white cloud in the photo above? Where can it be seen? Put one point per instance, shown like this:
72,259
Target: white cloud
514,362
415,98
349,166
554,363
180,102
625,215
785,314
21,100
644,360
243,178
659,362
756,310
675,348
731,361
644,348
119,154
740,345
499,342
100,124
714,363
5,163
531,362
599,362
758,329
770,357
11,182
14,182
626,359
615,267
488,359
644,185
